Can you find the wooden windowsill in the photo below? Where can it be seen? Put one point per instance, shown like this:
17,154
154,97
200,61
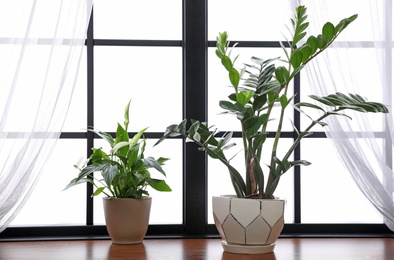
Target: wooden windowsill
286,248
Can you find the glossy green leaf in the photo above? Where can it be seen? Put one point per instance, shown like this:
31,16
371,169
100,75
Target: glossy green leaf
109,173
244,97
259,101
272,96
296,59
227,63
153,163
321,41
132,155
126,115
328,31
159,185
306,51
98,155
104,136
193,130
283,101
298,38
282,74
227,105
300,162
313,43
224,140
310,105
137,136
234,77
98,191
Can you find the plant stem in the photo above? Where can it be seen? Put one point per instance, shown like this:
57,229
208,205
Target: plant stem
302,135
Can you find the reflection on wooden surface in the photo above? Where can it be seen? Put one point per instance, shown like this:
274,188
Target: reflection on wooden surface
195,249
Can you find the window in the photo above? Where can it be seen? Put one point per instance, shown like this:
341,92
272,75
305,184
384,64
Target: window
165,62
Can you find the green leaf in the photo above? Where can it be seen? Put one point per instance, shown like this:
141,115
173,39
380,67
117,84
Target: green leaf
282,75
310,105
344,23
234,77
272,96
306,51
224,140
237,181
159,185
132,155
103,135
137,137
244,97
322,100
235,108
328,31
252,126
98,155
76,181
227,63
283,101
153,163
126,115
312,41
121,136
321,41
300,162
297,38
296,58
109,173
259,101
193,131
98,191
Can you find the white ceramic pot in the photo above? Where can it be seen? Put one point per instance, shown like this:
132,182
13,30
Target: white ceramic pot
248,226
127,220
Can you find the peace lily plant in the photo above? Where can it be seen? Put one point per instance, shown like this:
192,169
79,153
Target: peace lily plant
125,169
258,89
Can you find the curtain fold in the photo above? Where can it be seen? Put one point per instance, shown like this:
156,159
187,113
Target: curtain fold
363,143
41,45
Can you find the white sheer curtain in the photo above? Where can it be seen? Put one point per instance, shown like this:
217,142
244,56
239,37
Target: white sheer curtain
41,44
360,62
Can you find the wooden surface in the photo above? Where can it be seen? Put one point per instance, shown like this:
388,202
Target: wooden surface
195,249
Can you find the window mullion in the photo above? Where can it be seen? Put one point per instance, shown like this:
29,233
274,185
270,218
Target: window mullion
90,115
195,46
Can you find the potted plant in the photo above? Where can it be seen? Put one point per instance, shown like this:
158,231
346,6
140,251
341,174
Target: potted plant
124,178
252,219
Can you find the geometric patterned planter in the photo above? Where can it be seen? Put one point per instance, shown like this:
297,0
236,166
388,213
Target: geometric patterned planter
248,226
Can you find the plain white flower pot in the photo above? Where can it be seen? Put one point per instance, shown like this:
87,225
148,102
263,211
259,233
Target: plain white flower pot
248,226
127,219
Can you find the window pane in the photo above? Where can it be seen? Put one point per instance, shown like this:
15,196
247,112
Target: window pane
219,182
166,206
329,194
151,77
49,204
254,19
131,19
49,16
357,77
360,30
36,74
77,114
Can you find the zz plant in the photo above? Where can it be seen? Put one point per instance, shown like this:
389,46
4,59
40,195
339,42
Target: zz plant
258,89
124,170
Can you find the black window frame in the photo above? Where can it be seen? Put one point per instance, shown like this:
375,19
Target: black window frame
194,46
